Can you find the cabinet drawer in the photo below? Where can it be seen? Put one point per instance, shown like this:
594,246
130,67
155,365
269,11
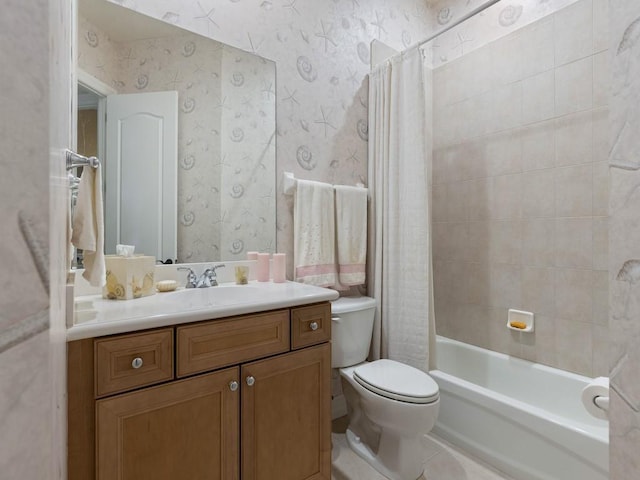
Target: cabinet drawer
310,325
218,343
131,361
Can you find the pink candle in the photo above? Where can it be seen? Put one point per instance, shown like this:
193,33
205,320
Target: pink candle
263,267
252,255
279,267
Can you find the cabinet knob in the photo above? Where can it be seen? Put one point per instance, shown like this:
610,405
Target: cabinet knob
250,381
137,362
233,385
314,326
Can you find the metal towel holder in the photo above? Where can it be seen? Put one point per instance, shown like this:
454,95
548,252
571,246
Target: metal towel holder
75,160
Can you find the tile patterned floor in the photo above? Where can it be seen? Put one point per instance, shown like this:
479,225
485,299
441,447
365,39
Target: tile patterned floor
442,461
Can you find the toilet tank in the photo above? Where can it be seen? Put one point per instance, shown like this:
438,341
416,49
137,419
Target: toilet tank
351,329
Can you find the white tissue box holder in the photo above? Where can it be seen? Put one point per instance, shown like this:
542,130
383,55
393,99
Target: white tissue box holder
129,277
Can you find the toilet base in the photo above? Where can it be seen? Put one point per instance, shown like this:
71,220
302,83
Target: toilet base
409,472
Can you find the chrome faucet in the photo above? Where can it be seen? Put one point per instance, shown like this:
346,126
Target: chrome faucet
192,279
208,277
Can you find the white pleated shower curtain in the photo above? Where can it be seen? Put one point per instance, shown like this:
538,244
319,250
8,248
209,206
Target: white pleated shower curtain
400,273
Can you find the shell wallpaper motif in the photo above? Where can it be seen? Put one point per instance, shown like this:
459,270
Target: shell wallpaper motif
226,122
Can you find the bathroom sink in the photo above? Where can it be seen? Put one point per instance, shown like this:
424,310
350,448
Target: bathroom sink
222,295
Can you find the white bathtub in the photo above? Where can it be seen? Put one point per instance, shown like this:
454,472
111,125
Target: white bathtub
523,418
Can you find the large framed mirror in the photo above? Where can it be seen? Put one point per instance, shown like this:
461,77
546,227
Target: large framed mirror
226,130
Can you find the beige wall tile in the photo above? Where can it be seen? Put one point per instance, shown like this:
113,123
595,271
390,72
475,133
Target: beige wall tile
506,60
479,241
505,241
539,146
573,86
538,99
600,243
537,48
479,198
505,285
538,291
506,197
503,152
600,134
479,283
538,242
573,33
473,160
601,77
450,202
574,191
574,242
601,188
506,108
574,343
601,297
600,25
452,282
538,194
574,299
540,346
573,142
531,141
601,357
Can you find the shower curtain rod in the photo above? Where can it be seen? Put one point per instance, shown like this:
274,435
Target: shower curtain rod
466,16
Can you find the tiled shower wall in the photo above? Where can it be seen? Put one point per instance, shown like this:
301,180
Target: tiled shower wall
520,191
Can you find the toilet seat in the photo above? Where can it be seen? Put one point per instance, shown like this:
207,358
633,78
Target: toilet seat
397,381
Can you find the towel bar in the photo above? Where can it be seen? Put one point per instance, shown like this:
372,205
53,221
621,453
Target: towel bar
75,160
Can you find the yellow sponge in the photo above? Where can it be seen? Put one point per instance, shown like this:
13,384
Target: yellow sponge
520,325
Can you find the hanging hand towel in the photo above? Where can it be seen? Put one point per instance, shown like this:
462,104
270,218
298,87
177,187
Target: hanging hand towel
351,228
88,226
314,234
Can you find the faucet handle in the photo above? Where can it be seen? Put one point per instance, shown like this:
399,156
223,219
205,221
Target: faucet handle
210,275
192,279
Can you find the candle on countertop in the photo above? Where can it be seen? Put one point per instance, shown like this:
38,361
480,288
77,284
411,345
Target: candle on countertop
263,267
252,255
279,267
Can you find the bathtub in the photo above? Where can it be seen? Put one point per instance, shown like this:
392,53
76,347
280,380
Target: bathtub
522,418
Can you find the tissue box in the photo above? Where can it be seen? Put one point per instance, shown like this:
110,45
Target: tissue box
129,277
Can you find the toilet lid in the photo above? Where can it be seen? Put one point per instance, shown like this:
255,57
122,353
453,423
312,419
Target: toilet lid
397,381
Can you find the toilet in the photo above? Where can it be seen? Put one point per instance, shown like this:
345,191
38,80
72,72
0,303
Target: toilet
391,406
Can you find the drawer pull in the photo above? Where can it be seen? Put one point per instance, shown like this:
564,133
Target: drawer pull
250,381
137,362
313,326
233,386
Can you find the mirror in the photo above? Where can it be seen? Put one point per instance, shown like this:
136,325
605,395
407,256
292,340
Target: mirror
226,124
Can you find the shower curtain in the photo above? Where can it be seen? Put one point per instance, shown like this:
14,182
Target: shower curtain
400,273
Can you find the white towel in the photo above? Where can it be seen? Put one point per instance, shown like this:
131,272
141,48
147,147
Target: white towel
314,234
351,228
88,226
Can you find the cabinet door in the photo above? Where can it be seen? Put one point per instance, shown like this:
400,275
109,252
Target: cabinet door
286,418
184,429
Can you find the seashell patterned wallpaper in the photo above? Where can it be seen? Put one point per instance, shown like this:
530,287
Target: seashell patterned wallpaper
321,49
226,138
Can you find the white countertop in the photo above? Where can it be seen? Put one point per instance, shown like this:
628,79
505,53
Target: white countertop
95,316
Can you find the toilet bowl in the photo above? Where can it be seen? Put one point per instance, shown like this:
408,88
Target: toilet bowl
391,406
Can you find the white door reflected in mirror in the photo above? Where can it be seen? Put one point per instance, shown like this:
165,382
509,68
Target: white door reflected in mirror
140,171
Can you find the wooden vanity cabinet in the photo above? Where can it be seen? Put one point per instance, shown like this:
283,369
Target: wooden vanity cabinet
286,416
254,414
